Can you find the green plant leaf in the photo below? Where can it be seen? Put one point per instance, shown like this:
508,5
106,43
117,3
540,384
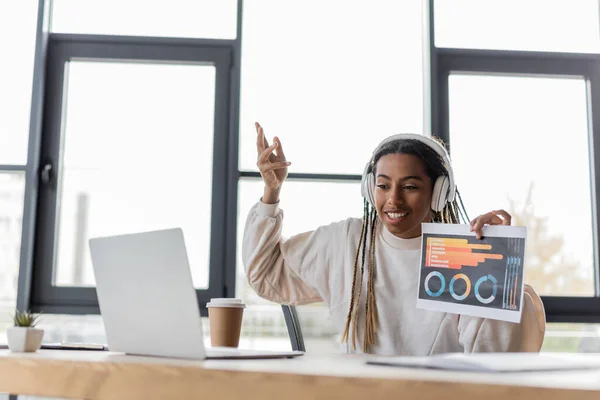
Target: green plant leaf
25,319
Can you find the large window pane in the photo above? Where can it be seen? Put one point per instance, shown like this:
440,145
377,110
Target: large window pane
176,18
17,41
138,147
540,25
303,203
258,334
12,186
330,78
90,329
521,143
572,338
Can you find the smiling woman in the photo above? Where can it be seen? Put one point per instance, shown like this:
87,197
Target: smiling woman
406,172
407,181
403,194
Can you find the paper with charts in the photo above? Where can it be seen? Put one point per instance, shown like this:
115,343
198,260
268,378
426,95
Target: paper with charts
463,275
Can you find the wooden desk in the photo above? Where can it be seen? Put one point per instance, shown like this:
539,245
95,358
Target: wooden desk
105,375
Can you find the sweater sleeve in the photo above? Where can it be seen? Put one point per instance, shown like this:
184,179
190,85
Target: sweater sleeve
288,271
488,335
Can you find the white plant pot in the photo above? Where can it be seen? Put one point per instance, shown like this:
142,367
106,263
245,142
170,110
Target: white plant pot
24,339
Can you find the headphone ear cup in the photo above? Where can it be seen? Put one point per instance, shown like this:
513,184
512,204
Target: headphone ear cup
367,186
371,189
439,197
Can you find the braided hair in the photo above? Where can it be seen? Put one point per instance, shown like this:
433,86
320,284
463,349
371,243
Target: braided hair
450,214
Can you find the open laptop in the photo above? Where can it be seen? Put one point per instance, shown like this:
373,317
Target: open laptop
148,301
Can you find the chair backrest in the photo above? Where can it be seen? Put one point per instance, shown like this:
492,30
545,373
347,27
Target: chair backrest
293,326
534,330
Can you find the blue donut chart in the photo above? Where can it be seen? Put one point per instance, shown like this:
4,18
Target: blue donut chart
442,279
494,290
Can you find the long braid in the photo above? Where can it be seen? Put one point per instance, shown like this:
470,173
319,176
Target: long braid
371,308
454,212
368,212
368,229
350,311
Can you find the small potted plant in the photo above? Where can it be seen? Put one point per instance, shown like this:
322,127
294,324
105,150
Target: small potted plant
24,336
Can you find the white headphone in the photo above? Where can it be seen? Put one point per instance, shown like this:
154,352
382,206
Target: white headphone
444,188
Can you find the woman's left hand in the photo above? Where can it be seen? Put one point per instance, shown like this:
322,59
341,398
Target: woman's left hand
496,217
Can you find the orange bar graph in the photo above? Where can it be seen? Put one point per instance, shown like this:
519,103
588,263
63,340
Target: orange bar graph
456,253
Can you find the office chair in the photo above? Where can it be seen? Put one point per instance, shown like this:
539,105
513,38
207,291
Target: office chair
293,326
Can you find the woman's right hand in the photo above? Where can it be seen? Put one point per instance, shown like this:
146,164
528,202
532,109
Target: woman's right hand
271,163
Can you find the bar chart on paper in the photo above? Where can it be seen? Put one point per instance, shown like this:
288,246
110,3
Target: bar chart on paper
464,275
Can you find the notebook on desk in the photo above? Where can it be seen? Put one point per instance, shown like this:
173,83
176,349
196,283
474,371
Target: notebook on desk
148,301
494,362
74,346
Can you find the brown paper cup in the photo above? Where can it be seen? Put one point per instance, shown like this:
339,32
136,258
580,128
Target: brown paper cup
225,325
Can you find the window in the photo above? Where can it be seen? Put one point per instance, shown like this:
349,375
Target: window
572,338
17,38
523,136
568,26
136,135
124,87
174,18
528,170
144,164
12,184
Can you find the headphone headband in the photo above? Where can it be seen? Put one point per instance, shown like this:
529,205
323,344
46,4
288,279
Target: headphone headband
434,145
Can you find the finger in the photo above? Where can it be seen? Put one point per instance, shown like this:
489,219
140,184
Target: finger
260,147
265,141
263,158
490,218
476,227
478,233
478,223
506,217
496,217
279,150
480,220
261,133
275,165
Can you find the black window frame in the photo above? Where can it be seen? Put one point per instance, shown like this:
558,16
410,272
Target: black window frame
444,61
33,273
36,291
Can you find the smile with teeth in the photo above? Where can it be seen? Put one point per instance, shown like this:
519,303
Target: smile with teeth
396,215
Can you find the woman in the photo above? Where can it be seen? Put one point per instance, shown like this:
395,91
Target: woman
408,181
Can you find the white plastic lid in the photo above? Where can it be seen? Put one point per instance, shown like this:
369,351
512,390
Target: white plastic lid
226,302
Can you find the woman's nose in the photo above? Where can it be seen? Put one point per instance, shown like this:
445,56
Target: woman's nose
396,197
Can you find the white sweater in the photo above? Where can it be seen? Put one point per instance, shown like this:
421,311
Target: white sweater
318,266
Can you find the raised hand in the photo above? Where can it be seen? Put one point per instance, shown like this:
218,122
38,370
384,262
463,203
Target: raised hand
271,163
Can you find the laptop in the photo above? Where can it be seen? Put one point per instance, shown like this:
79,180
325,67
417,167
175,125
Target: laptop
148,301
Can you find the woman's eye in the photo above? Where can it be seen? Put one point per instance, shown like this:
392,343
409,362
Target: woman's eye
382,186
410,187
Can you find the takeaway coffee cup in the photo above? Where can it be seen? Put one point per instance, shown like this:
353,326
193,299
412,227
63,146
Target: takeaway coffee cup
225,318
